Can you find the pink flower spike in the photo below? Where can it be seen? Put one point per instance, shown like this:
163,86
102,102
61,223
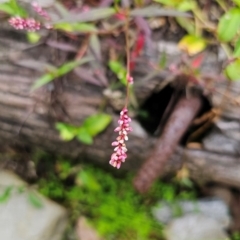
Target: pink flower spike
29,24
130,79
38,9
119,156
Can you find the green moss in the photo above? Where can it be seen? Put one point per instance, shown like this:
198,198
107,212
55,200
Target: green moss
111,204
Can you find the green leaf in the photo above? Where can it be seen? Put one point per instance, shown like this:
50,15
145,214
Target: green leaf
64,69
13,9
157,12
44,79
236,52
84,27
91,15
95,46
67,131
119,70
68,27
192,44
228,25
171,3
237,2
6,194
84,136
96,123
5,7
35,200
87,180
163,60
33,37
186,5
233,70
187,24
75,27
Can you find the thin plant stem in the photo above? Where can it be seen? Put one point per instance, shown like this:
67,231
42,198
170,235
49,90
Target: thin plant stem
127,58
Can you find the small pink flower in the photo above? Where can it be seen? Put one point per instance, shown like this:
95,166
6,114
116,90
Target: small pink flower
38,9
29,24
119,156
129,79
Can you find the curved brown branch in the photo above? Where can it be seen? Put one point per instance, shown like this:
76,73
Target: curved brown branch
179,121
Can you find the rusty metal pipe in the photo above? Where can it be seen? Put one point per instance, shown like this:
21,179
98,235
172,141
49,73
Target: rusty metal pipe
176,126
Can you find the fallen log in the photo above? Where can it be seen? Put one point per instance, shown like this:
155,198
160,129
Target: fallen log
28,118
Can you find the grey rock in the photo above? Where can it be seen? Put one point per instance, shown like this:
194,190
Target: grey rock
211,207
138,130
21,220
195,227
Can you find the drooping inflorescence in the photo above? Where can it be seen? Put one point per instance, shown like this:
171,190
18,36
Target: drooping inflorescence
119,155
40,11
29,24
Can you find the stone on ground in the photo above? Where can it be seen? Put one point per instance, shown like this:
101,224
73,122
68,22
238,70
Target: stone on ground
25,214
195,227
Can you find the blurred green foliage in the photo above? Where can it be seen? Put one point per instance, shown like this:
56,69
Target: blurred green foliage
235,236
91,126
110,203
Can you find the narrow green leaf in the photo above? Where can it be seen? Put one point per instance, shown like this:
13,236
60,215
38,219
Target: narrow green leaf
228,25
68,27
168,3
84,27
61,9
236,52
95,46
44,79
67,131
87,180
119,70
84,136
64,69
6,194
35,200
67,67
96,123
75,27
157,12
187,24
163,60
233,70
33,37
91,15
187,5
5,7
13,8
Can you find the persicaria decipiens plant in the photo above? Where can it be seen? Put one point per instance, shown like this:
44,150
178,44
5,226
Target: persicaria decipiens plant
120,151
